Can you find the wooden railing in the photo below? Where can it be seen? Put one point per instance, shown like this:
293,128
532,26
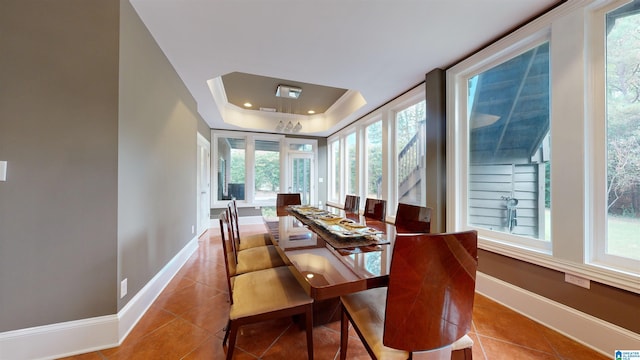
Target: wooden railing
411,156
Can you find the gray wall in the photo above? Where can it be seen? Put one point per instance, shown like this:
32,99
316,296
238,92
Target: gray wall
158,124
100,136
58,132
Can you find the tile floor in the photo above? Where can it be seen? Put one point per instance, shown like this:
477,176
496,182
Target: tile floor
187,321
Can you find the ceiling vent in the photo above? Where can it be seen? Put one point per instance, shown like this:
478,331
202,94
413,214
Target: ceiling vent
289,92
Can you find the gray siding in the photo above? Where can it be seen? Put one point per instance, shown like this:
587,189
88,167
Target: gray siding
488,184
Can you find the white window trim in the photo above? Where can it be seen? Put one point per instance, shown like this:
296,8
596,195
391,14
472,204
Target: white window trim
460,141
249,138
597,148
386,115
573,201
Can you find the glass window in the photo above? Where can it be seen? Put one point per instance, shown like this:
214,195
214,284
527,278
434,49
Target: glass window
267,170
623,132
300,147
352,164
334,186
410,147
231,168
373,150
508,156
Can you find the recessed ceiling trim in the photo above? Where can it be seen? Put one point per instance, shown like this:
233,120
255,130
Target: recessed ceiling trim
318,124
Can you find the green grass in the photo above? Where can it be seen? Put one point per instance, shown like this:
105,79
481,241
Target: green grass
623,235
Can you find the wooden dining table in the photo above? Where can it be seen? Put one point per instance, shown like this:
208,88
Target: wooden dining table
326,252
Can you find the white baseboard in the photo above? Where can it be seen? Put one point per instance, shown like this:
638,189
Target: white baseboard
594,333
87,335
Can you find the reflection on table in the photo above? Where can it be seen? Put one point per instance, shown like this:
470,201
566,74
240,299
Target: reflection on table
325,270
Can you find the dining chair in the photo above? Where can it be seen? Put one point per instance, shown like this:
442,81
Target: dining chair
263,295
428,303
285,199
247,260
375,209
245,241
352,203
413,219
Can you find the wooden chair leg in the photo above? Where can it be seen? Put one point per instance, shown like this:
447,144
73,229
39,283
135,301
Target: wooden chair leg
233,331
462,354
226,332
309,326
344,333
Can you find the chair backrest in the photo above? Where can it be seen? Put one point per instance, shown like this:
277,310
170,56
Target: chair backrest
352,203
232,206
431,289
413,219
285,199
375,209
227,249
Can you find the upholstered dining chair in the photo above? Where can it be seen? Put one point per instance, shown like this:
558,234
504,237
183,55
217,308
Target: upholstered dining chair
413,219
375,209
248,260
285,199
352,203
263,295
245,241
428,303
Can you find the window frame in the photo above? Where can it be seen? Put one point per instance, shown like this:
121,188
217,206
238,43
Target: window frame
598,237
462,137
249,185
386,116
412,100
569,28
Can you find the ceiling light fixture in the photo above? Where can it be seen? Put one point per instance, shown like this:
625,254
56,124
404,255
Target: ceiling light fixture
288,91
247,104
311,112
289,126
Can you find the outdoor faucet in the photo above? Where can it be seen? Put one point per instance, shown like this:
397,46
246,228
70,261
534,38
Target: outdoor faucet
512,219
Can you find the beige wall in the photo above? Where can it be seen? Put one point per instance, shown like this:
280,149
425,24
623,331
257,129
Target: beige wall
58,132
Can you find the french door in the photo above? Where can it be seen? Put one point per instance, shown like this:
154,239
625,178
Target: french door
302,176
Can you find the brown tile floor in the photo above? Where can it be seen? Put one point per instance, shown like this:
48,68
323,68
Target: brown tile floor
187,321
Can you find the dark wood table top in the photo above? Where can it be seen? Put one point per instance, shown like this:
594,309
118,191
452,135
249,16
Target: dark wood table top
327,271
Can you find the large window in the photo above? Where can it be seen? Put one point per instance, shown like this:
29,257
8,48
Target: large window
382,156
267,170
623,131
351,166
543,142
231,168
252,168
334,182
373,150
508,155
410,150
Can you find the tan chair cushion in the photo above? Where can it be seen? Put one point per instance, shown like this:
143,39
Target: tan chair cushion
367,310
254,240
258,258
265,291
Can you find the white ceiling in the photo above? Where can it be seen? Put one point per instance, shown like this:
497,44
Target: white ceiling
376,48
